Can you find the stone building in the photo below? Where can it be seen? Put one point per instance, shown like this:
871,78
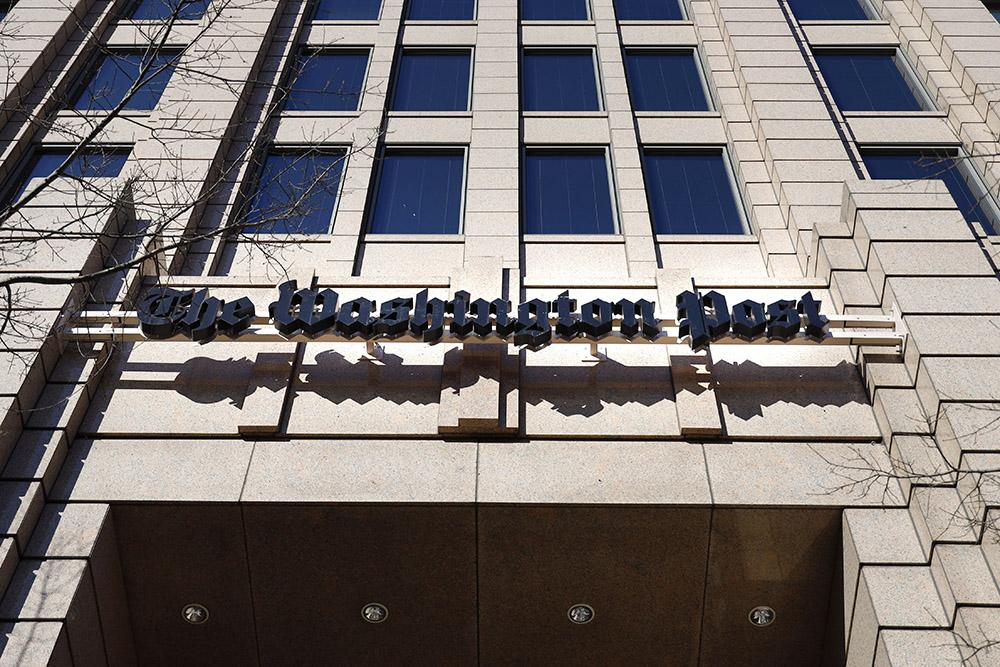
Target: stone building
628,499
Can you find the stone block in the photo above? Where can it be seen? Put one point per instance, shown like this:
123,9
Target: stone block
67,530
34,643
362,471
37,457
592,472
21,507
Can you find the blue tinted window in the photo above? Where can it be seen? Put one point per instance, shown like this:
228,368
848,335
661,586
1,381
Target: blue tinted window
330,81
648,10
419,193
934,164
432,81
43,163
114,75
828,10
560,81
567,193
155,10
5,8
691,194
867,82
664,81
995,10
441,10
347,10
296,193
553,10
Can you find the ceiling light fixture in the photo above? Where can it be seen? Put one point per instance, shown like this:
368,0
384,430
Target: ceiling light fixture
195,614
374,612
761,616
581,613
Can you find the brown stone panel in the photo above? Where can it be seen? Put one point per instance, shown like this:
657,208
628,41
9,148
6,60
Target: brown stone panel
174,555
641,569
784,559
314,567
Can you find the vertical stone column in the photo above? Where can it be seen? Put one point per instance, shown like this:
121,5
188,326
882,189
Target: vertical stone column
492,197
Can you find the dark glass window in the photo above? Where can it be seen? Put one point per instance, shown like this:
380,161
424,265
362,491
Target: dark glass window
567,192
346,10
327,81
994,8
43,163
691,193
432,81
554,10
5,7
936,164
867,82
560,81
296,193
419,192
441,10
664,81
114,74
648,10
828,10
156,10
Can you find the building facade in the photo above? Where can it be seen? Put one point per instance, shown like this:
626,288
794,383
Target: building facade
566,482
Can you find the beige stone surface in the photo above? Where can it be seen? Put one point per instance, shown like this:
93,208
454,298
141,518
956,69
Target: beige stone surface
361,471
592,472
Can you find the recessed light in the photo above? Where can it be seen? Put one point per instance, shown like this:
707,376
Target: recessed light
195,614
761,616
581,613
374,612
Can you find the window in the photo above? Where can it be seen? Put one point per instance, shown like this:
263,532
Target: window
5,7
554,10
692,192
432,80
296,192
113,75
560,81
665,81
94,163
327,81
963,184
567,192
994,8
441,10
156,10
867,81
419,192
828,10
346,10
648,10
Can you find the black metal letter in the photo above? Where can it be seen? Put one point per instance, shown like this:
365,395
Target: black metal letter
533,328
568,324
749,321
635,314
394,318
596,318
161,310
355,317
199,322
783,320
691,321
236,316
817,325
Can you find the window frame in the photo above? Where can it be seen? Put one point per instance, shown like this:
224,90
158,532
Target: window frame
866,6
313,8
917,88
569,149
961,158
685,16
9,191
251,186
667,50
742,202
409,5
398,63
587,6
558,50
376,184
287,79
131,7
82,78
